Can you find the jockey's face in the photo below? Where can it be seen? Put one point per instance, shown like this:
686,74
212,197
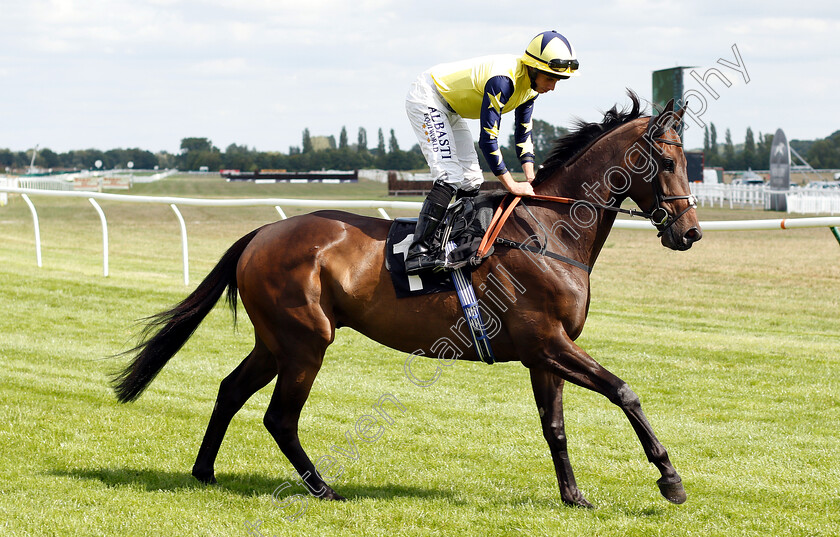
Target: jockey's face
542,82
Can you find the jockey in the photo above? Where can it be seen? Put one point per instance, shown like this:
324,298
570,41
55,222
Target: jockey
481,88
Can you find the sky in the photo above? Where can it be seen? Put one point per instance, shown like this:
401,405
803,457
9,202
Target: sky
111,74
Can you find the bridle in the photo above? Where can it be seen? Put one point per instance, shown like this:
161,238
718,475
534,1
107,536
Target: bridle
658,215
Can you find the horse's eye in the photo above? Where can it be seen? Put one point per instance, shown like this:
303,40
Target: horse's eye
668,164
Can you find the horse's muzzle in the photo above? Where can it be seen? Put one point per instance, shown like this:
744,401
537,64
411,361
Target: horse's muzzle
671,238
691,235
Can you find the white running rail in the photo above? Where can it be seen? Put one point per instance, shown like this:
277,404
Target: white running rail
174,202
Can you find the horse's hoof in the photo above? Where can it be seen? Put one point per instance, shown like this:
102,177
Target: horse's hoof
580,502
673,492
333,496
208,478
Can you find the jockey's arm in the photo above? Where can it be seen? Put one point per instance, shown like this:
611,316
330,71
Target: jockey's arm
528,168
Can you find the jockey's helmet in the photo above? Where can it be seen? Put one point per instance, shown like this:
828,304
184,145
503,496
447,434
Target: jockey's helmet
551,53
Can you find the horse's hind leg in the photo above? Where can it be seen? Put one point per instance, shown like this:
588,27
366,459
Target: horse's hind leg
255,371
294,383
548,393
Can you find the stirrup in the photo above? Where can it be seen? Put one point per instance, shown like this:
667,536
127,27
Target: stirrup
423,263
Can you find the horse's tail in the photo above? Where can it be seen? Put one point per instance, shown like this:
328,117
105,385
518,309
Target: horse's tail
172,328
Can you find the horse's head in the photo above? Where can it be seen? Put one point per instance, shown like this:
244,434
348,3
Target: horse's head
627,155
664,192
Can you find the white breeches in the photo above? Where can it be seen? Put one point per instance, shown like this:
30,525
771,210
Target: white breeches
444,136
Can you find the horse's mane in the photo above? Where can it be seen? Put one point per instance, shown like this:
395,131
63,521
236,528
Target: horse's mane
568,146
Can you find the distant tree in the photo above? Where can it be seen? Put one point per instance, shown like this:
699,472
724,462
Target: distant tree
83,159
707,145
361,141
196,144
22,159
342,138
195,153
729,152
825,152
47,158
306,142
393,145
165,160
7,159
142,159
380,148
115,158
762,151
749,156
239,157
714,152
544,135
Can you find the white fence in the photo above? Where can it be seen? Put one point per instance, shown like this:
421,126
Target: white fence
4,183
173,202
66,182
733,195
812,201
799,200
44,183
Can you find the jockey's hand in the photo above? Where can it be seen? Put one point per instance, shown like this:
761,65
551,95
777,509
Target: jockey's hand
521,189
516,188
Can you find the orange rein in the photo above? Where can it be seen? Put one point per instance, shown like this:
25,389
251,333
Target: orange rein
501,215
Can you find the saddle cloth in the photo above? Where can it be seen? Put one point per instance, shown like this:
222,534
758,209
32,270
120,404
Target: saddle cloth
464,224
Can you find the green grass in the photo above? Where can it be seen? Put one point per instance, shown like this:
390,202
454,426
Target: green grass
732,346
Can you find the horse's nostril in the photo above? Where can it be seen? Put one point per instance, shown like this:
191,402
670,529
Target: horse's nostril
693,235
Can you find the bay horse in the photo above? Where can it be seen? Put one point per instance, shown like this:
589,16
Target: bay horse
299,279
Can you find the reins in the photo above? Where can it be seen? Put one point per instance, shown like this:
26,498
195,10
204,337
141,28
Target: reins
502,213
659,217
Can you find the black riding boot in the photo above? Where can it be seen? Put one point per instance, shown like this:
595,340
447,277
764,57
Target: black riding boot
420,257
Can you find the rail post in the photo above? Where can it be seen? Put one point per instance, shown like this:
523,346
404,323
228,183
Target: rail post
104,235
184,251
37,228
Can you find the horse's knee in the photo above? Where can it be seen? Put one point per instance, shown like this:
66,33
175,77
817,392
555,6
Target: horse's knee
626,398
280,428
272,422
227,388
555,434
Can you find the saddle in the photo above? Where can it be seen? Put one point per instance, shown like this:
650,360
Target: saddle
463,226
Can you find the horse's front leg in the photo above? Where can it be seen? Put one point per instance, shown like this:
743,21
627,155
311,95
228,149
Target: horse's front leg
548,393
565,359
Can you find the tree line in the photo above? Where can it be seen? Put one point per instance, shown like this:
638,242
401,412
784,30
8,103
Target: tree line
324,152
314,153
754,152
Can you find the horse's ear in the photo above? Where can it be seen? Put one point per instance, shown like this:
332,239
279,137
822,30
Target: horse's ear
656,122
666,119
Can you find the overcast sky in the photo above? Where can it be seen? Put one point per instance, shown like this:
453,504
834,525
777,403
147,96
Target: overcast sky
145,73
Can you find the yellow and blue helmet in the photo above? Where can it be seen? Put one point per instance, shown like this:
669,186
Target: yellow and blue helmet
551,53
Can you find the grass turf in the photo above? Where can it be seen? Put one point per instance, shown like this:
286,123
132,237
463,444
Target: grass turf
732,346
